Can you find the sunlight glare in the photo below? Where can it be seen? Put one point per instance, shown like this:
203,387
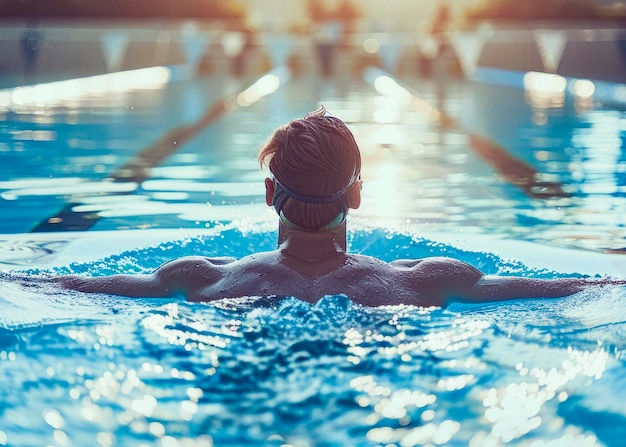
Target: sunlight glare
387,86
265,85
545,90
60,92
584,88
371,45
384,186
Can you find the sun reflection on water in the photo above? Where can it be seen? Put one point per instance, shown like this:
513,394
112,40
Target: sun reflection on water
517,409
406,416
294,373
28,98
143,406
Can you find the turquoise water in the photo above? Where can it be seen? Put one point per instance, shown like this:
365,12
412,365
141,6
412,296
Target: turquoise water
100,370
566,158
85,184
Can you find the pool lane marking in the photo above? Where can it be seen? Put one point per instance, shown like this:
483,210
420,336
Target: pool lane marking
511,169
138,169
514,170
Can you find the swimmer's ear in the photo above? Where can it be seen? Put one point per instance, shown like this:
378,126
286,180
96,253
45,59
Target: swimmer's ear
269,191
354,194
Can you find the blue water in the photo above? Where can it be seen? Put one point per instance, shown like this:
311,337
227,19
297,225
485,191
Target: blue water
414,171
101,370
84,370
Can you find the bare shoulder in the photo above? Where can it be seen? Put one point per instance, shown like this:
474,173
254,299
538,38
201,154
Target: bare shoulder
439,277
432,266
192,265
188,261
437,265
220,264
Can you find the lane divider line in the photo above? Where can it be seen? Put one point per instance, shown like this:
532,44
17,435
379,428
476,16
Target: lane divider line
510,168
138,169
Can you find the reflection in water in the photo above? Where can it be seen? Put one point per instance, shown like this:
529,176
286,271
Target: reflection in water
227,376
544,90
417,169
81,369
26,99
569,141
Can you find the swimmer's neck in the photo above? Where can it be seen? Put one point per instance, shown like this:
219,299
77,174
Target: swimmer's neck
312,245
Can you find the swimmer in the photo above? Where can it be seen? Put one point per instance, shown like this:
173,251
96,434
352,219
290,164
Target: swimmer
315,167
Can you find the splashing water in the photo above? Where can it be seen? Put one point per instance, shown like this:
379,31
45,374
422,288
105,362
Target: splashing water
79,369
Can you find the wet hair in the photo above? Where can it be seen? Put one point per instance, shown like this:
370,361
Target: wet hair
314,159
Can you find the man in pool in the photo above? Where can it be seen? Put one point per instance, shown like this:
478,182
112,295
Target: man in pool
315,167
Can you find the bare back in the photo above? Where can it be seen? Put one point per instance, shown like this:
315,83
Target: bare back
365,280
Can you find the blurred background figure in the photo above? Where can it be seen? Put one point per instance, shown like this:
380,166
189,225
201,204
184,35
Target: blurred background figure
331,25
241,60
31,41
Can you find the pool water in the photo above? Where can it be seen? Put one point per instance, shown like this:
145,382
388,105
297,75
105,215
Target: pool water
101,370
550,172
125,181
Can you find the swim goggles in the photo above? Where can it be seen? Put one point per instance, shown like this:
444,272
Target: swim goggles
283,193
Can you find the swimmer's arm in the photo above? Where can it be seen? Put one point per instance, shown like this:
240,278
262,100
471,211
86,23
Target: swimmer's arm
123,285
501,288
133,286
181,276
444,280
440,278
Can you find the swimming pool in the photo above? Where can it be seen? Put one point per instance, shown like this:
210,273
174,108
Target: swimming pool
124,181
114,158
